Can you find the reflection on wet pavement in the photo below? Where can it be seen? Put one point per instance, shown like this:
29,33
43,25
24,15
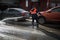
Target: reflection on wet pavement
15,33
9,37
22,31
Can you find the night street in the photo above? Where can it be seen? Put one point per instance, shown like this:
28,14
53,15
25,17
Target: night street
23,31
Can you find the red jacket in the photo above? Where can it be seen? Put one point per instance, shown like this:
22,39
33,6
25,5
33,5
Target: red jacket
34,11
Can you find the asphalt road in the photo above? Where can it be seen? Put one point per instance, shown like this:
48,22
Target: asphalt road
22,31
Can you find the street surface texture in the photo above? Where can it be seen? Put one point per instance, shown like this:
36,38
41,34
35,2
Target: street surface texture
22,31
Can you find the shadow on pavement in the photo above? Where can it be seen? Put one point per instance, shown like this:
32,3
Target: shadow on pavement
29,23
50,34
52,25
21,23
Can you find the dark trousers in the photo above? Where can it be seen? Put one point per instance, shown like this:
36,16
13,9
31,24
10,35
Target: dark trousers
35,17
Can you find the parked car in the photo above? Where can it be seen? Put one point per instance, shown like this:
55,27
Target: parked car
16,12
51,15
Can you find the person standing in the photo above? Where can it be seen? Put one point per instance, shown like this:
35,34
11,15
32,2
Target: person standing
33,13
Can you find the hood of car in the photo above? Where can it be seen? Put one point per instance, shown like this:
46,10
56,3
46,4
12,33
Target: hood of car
42,11
25,12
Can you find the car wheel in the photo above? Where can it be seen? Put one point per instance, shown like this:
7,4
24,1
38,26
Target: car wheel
41,20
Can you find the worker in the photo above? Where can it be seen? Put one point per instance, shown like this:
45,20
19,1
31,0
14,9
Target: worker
33,13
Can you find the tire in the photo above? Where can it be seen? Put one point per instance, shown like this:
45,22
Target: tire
41,20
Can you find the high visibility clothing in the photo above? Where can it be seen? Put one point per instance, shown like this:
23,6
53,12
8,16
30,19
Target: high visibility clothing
34,16
34,11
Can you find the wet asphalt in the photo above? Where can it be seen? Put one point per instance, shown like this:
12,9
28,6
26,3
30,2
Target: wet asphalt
22,30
